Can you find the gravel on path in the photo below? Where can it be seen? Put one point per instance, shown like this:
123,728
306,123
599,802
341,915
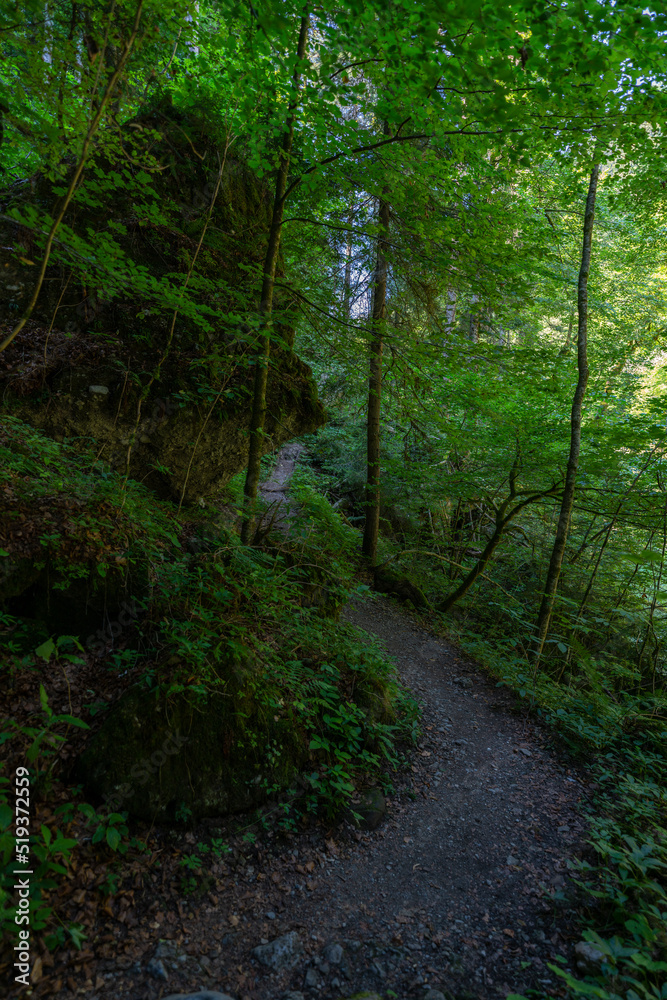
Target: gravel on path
453,892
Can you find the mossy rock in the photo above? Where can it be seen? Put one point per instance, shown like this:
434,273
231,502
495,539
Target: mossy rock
374,695
365,996
388,581
69,556
368,813
109,337
155,756
177,448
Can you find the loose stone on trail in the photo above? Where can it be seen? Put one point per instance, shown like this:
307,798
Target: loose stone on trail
281,953
333,954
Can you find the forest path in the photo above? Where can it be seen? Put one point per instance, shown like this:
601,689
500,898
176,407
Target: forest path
451,893
471,863
273,489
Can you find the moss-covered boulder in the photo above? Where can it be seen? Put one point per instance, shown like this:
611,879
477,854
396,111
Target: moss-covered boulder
388,581
171,757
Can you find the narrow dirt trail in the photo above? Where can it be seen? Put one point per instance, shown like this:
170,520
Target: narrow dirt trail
451,893
273,490
462,876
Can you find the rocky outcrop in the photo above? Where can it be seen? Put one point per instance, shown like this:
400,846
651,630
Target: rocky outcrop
172,443
171,758
142,337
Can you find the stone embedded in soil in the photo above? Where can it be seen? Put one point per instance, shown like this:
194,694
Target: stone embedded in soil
169,951
434,995
281,953
371,809
333,953
156,969
311,979
463,682
589,958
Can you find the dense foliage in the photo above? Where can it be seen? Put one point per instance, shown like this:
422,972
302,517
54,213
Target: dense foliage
396,192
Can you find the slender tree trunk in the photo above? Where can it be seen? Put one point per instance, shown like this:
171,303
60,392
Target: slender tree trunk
63,72
468,580
567,503
569,330
450,309
372,523
258,415
650,630
473,322
347,286
606,530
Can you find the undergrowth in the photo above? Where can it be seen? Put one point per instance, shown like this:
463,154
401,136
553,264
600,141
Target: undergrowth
204,609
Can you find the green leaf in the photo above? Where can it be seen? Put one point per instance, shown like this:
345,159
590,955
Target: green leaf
78,935
73,721
46,650
44,700
113,838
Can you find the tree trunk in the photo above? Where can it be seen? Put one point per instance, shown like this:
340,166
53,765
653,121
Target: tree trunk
450,309
258,415
468,580
372,523
567,502
505,514
473,321
347,281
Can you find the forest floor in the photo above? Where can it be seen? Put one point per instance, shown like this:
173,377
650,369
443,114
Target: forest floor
462,888
454,891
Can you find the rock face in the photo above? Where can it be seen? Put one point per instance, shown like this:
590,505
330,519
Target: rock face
71,559
176,448
143,333
169,759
